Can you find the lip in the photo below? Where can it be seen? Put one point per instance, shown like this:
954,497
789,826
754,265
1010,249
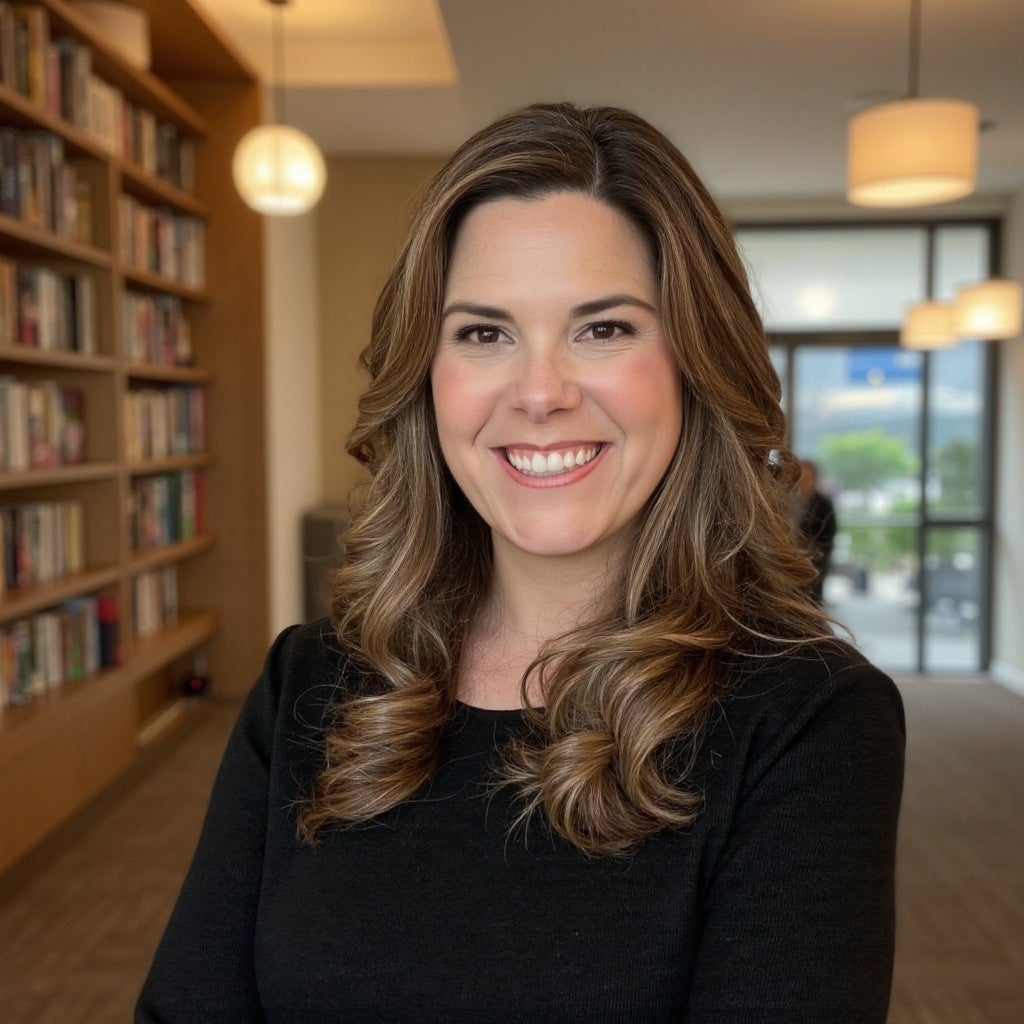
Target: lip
569,476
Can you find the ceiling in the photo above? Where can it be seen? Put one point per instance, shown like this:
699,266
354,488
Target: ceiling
755,92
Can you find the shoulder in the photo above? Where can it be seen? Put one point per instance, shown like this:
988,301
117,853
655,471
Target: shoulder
824,701
305,676
807,676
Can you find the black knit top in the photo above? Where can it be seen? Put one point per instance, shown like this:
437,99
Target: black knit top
775,906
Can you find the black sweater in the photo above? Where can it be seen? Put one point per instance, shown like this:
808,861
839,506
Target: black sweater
775,906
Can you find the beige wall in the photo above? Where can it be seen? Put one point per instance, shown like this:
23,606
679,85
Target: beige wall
361,221
292,398
1008,589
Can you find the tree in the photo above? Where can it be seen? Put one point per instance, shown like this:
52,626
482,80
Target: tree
865,459
956,465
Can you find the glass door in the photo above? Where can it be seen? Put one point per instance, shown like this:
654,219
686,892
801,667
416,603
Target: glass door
899,441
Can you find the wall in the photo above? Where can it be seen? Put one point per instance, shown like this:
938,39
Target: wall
1008,583
292,403
360,225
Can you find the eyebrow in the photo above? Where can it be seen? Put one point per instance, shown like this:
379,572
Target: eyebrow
583,309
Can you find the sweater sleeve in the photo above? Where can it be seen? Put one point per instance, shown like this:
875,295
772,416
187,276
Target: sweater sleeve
799,909
203,968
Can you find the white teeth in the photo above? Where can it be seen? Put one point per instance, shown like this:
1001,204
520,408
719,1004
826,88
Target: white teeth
552,463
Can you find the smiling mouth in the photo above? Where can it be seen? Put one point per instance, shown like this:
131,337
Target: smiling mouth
551,463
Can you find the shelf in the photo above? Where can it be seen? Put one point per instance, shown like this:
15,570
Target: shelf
59,750
168,718
191,629
79,473
16,604
144,185
25,356
170,553
22,726
46,244
152,282
169,374
170,464
139,86
20,112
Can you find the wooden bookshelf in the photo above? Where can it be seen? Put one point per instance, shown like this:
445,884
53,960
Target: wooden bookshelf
60,747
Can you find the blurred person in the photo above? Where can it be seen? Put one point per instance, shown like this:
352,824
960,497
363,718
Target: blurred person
815,521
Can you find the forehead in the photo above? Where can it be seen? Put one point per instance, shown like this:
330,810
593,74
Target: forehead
568,234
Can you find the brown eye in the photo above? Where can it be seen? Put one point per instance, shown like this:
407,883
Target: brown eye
608,330
479,334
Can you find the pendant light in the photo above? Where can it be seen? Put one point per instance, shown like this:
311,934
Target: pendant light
914,151
278,170
990,310
928,325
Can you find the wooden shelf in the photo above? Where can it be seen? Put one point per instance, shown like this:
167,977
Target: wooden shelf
39,242
141,561
172,642
139,86
152,282
20,726
169,374
79,473
59,750
16,604
26,356
140,183
20,112
153,466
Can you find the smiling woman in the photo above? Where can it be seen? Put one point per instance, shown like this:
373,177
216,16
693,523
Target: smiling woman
576,744
559,414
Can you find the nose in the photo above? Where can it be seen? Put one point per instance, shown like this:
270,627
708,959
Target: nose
544,382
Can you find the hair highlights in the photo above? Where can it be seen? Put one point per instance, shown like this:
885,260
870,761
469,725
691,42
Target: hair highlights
714,576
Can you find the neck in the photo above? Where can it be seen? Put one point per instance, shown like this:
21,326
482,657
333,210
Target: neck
533,599
539,597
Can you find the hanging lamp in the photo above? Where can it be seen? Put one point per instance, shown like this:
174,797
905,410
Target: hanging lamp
278,170
991,310
928,325
913,151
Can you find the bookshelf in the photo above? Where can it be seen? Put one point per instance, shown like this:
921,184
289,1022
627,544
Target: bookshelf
131,393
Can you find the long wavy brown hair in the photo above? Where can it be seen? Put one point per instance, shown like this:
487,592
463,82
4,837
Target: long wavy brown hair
713,580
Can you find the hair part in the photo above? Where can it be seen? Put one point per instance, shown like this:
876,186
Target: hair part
713,575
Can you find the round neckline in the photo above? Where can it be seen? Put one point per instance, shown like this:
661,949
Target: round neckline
477,712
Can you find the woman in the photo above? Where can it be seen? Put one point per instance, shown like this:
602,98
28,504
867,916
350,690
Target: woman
576,745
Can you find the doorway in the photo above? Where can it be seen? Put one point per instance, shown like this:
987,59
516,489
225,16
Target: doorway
902,442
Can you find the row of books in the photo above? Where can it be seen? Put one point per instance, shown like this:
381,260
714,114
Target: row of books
47,309
41,424
165,242
40,541
40,187
162,422
56,74
168,508
156,330
155,600
158,147
41,653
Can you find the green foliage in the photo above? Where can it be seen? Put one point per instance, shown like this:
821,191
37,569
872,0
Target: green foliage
862,460
957,468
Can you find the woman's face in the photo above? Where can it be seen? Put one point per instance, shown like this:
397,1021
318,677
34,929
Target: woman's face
558,400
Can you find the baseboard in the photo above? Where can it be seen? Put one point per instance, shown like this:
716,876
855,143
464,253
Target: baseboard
1008,676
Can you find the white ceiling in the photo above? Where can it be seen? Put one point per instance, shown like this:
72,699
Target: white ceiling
755,92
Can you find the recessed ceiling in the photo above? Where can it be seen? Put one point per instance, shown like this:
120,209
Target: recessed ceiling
756,94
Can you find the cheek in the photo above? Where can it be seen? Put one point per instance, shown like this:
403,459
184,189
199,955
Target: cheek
461,399
647,395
